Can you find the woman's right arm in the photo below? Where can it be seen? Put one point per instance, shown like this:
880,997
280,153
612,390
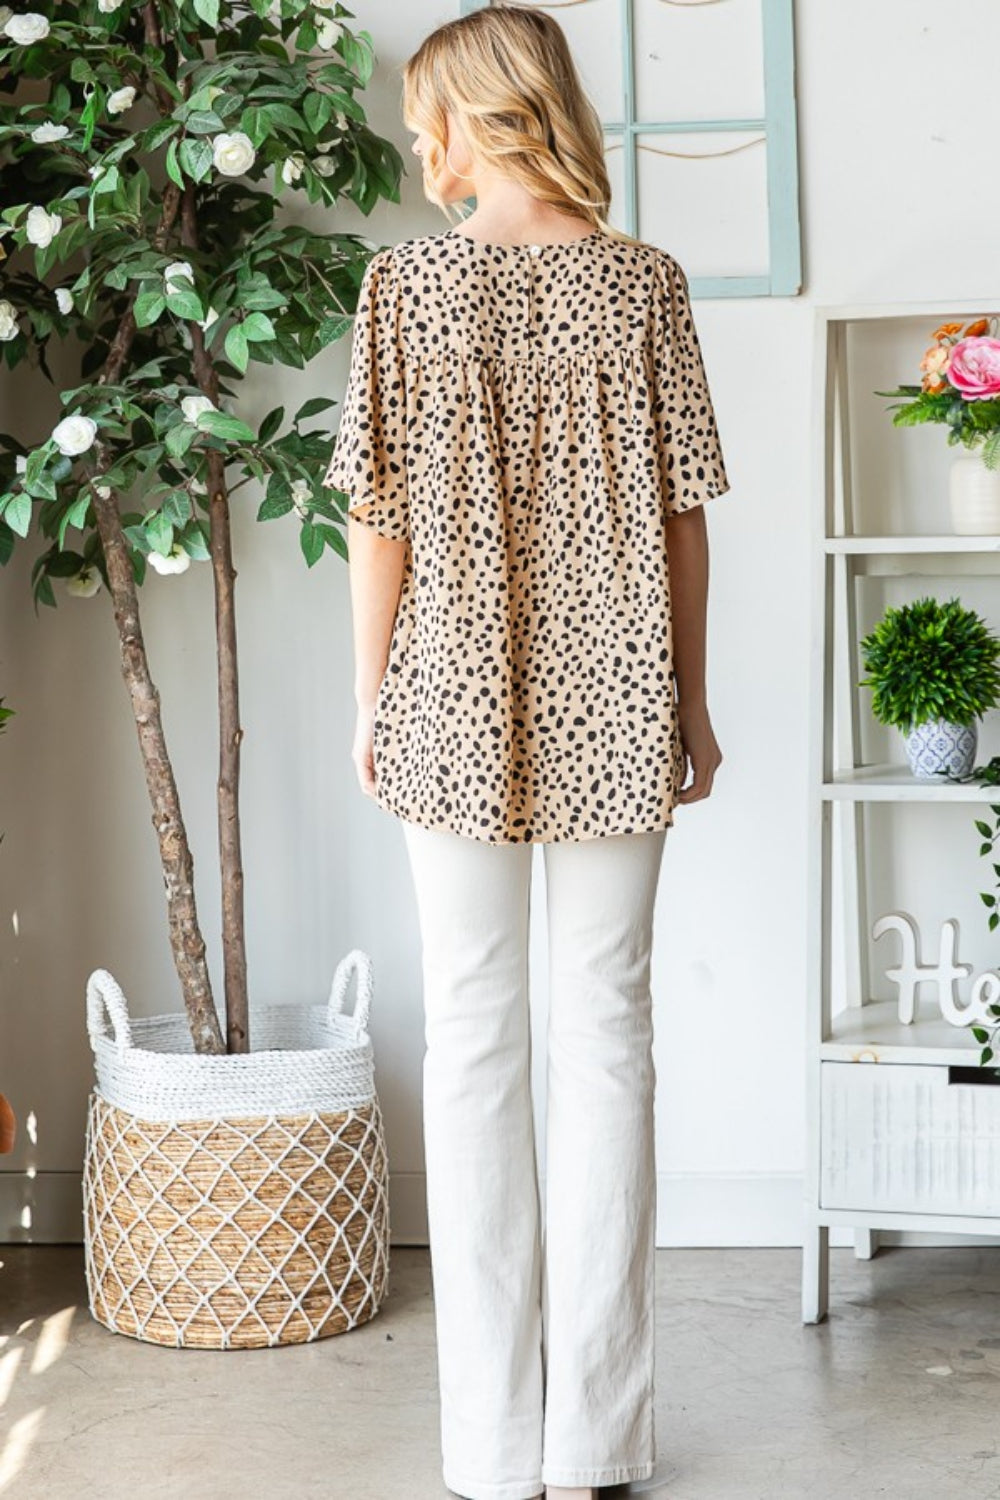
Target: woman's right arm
376,577
687,550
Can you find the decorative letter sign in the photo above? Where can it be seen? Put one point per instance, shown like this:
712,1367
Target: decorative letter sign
946,973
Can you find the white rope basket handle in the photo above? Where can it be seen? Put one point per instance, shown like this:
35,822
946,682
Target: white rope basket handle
359,962
105,998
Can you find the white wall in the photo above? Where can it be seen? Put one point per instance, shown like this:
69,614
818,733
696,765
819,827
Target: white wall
896,204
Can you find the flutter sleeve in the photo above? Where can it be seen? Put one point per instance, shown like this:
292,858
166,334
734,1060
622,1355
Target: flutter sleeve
368,463
692,467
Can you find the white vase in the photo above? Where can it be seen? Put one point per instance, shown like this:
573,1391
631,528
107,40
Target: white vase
937,746
974,494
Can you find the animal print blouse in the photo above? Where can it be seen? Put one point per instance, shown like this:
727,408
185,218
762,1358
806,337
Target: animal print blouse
527,419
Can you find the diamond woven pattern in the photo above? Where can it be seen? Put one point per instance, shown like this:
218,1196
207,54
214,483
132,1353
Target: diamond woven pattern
235,1232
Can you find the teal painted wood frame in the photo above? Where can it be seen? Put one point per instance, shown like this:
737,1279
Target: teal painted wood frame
778,128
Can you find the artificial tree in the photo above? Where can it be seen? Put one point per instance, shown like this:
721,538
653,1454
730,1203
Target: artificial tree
131,222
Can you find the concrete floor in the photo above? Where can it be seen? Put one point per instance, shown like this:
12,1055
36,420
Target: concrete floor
896,1394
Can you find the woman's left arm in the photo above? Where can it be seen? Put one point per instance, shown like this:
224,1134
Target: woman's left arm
687,552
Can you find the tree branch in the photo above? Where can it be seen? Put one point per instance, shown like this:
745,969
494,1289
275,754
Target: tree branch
230,732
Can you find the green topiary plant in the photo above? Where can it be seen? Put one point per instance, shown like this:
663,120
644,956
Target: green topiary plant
145,155
928,660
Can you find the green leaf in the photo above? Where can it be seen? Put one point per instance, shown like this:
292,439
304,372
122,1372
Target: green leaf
272,507
173,170
334,540
317,109
255,123
258,327
18,513
160,533
184,304
332,329
179,439
221,424
76,515
283,114
313,406
270,424
107,182
42,487
158,133
208,11
193,542
177,508
237,348
148,307
196,158
311,542
203,122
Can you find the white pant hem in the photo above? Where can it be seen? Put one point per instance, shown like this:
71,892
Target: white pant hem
512,1489
620,1474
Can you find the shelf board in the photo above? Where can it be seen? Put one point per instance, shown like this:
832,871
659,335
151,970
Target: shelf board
874,1033
905,545
889,782
891,312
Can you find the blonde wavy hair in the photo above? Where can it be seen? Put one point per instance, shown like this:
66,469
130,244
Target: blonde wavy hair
508,74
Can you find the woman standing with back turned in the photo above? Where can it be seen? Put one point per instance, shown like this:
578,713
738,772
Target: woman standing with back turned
527,439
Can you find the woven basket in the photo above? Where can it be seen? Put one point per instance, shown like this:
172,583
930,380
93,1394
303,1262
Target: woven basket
235,1202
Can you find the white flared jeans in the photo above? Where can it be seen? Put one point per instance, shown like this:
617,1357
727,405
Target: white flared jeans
544,1313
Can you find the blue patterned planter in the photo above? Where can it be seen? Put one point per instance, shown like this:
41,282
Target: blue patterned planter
939,745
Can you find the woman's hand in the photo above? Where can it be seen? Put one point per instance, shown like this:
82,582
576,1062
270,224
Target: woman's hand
362,750
700,747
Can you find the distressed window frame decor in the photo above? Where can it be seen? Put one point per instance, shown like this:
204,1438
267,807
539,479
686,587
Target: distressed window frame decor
777,131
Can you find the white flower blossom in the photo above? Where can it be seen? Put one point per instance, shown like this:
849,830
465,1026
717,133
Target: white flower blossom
42,227
324,165
301,495
104,490
193,406
210,317
26,28
121,100
177,268
21,463
8,322
85,583
74,435
233,154
176,560
327,32
64,297
96,170
48,132
340,119
291,169
108,6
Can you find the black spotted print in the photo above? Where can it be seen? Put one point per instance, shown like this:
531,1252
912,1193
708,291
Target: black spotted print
527,420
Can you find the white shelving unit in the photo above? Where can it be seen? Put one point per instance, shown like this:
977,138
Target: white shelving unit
903,1133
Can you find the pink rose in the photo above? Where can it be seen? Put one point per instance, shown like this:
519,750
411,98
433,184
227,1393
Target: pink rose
974,369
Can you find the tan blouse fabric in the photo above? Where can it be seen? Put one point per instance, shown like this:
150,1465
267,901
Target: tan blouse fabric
527,418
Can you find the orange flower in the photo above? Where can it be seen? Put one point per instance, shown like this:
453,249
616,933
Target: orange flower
935,361
946,330
977,328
